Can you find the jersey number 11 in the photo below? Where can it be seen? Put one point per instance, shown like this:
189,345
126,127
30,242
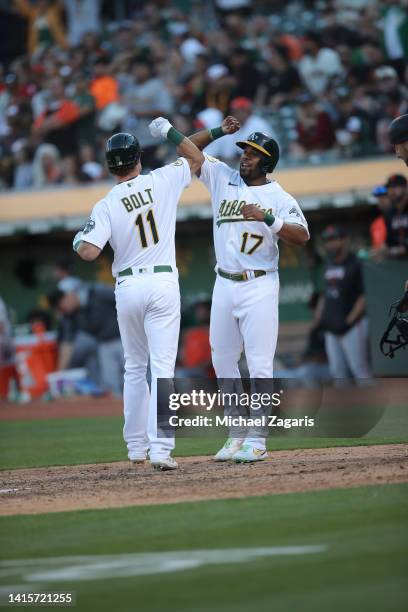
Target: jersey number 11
140,224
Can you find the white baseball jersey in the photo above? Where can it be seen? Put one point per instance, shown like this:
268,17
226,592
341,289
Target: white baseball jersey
138,218
242,244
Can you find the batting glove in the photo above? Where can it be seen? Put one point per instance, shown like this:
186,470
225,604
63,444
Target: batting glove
159,127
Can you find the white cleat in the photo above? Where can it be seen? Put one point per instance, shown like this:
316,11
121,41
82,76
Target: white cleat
138,457
249,453
166,464
227,452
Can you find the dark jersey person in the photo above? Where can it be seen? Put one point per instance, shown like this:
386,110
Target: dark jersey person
89,324
397,217
343,308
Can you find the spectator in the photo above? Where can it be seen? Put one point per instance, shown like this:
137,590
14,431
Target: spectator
89,334
392,100
83,16
378,228
86,125
90,169
395,35
91,47
353,126
241,108
56,124
63,274
246,74
315,130
190,47
23,166
319,65
216,91
397,219
47,168
70,173
281,80
104,87
343,309
45,26
146,98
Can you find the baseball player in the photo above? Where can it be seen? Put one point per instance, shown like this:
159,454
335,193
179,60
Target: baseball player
251,213
138,218
398,135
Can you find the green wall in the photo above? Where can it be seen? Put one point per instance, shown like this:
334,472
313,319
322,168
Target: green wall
26,270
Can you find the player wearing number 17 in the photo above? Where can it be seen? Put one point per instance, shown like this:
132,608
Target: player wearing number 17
251,213
138,218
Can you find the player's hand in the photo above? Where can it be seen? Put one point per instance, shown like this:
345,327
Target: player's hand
159,127
250,211
230,125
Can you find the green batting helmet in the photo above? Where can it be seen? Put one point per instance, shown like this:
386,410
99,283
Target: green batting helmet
265,145
398,130
122,152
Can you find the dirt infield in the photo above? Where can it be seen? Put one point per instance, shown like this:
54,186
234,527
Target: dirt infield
110,485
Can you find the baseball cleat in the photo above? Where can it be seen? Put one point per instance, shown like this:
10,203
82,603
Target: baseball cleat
227,452
249,453
138,457
166,464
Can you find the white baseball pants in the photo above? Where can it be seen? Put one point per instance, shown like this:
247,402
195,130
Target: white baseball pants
244,315
148,307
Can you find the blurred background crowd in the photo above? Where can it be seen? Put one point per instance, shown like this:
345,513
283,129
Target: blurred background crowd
324,77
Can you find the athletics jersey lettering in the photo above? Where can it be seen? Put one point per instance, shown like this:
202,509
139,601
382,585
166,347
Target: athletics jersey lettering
229,211
136,200
245,244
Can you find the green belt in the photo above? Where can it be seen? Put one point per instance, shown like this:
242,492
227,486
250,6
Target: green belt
240,276
129,271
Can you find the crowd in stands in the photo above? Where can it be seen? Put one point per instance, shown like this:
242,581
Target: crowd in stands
325,78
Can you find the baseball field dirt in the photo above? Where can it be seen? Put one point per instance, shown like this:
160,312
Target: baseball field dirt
118,484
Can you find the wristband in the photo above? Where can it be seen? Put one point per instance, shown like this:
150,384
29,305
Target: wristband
174,136
275,223
77,241
216,133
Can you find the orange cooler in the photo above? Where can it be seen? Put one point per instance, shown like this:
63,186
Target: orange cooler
36,356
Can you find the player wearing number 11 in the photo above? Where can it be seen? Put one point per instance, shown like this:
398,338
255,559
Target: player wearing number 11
138,218
251,212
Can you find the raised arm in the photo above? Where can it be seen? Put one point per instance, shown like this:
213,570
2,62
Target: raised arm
162,127
203,138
